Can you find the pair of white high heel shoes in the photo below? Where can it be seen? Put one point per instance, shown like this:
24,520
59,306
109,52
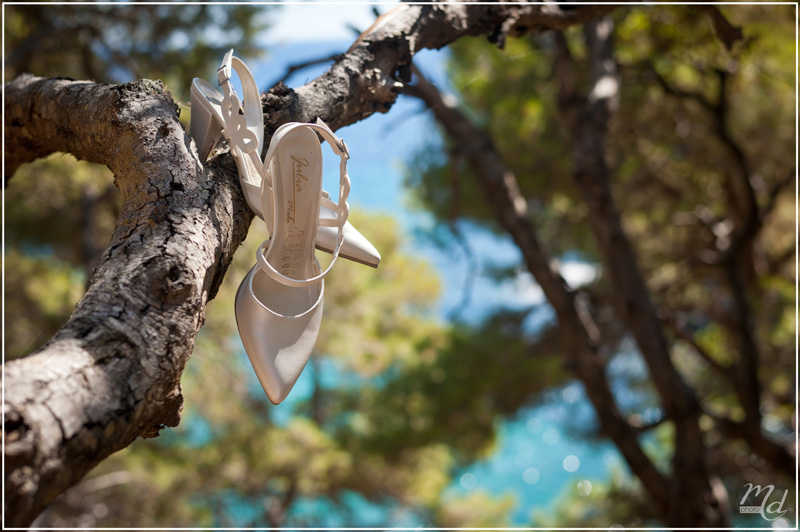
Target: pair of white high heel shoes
279,302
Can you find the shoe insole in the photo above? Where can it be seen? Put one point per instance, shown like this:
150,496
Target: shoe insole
296,169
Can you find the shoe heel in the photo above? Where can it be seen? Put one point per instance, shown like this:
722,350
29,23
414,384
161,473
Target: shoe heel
204,129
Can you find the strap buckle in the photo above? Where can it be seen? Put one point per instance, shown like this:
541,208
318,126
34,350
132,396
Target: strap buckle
223,75
339,143
343,148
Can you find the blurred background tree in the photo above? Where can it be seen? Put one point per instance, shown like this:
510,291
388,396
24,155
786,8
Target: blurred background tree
116,44
401,399
700,153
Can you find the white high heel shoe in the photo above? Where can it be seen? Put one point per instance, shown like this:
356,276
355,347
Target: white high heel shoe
215,115
279,302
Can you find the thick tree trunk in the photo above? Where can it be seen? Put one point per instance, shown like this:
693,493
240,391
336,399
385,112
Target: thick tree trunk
112,373
695,497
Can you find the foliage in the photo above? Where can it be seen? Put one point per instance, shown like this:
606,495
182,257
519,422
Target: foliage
52,246
396,400
693,118
616,503
113,43
35,310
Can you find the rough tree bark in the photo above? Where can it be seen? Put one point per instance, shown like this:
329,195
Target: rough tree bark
112,373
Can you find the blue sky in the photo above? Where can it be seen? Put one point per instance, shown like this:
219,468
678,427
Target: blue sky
320,21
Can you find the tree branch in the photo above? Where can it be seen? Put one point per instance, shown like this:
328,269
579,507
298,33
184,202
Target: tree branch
780,456
677,92
510,208
725,31
686,336
306,64
587,118
112,373
368,77
735,258
737,264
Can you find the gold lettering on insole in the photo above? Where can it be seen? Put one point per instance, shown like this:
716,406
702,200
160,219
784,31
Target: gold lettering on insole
298,180
293,242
